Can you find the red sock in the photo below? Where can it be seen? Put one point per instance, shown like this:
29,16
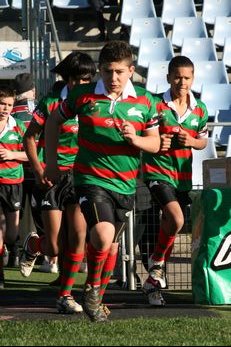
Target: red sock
71,265
165,243
108,268
95,263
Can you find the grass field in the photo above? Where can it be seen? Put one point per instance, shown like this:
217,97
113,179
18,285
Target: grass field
141,331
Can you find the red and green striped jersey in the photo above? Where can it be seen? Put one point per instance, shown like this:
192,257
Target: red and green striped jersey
175,165
105,158
11,171
68,144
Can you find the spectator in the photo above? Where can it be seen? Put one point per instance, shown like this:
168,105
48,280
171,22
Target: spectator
168,174
97,6
60,212
115,122
11,172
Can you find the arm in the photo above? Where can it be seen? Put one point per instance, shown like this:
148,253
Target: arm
51,173
30,145
185,139
149,142
6,154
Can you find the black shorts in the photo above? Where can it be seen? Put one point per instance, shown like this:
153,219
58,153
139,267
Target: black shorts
103,205
163,193
11,197
58,196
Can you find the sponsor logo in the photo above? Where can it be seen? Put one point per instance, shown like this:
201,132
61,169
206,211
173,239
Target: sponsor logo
222,258
45,203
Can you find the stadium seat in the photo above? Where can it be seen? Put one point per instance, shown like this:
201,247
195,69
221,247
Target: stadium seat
209,72
209,152
228,149
70,4
145,28
227,52
136,9
216,97
214,8
4,4
154,49
222,30
199,49
156,81
183,27
17,4
220,133
177,8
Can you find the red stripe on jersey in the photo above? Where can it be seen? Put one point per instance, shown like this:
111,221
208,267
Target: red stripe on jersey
109,150
69,128
105,173
67,150
38,118
198,111
20,108
12,146
8,164
11,181
53,105
178,153
162,106
181,176
110,122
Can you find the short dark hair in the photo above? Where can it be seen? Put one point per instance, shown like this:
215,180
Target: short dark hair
76,64
116,51
6,92
179,61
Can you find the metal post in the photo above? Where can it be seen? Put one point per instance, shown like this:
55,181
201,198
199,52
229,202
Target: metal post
131,251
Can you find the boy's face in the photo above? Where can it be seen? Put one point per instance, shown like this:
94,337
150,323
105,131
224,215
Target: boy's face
181,80
115,76
6,106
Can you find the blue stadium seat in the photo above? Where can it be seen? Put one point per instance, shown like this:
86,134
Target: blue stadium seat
209,152
183,27
222,30
4,4
198,49
209,72
145,28
156,81
136,9
214,8
220,133
227,52
177,8
154,49
70,4
216,97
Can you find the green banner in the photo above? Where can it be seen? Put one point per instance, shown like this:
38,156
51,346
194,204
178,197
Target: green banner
211,247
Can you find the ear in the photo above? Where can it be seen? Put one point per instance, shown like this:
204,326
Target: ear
131,70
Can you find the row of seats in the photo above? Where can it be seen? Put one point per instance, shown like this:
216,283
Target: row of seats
172,9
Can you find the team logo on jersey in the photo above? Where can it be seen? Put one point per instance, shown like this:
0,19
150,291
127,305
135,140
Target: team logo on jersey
222,258
194,122
13,137
17,204
134,112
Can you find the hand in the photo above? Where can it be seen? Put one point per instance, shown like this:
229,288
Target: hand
6,154
184,138
129,132
51,176
165,142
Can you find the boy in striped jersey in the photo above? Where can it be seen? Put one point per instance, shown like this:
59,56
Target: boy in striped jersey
168,174
116,121
11,171
60,211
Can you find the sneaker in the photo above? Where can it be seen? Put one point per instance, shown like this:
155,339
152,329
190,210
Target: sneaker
157,272
27,259
2,280
48,267
67,304
92,304
5,255
152,289
105,309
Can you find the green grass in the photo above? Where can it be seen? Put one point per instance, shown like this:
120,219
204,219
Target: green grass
172,331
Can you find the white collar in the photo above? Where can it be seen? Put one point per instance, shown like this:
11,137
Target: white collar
168,99
129,90
11,122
